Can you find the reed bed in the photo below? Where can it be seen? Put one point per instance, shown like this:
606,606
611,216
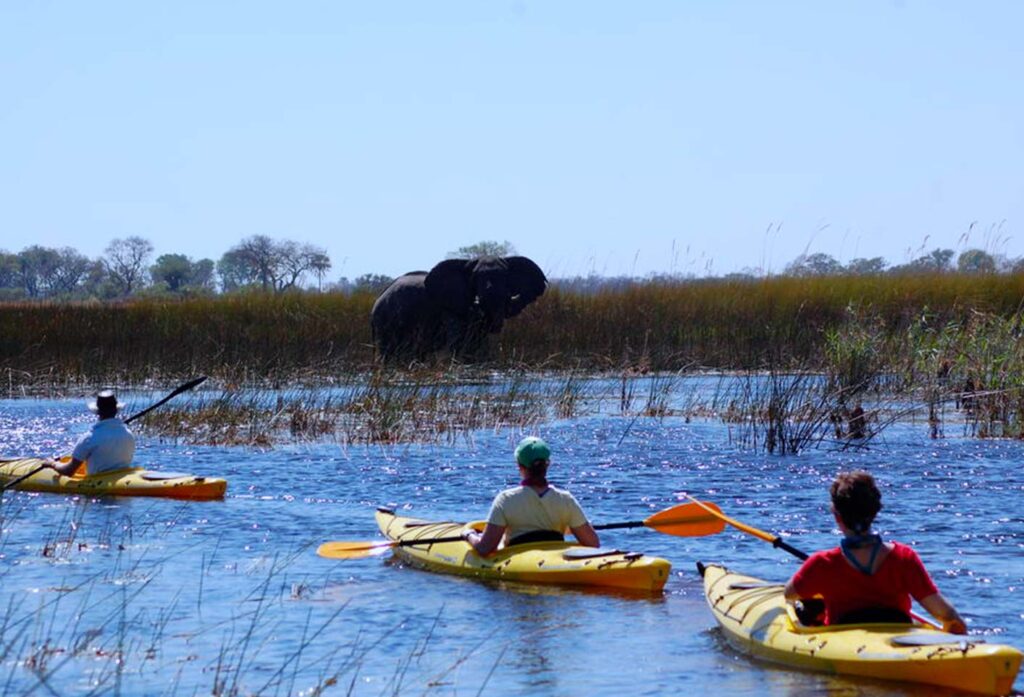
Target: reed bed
256,339
301,366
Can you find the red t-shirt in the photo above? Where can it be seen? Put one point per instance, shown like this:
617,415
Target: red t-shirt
845,589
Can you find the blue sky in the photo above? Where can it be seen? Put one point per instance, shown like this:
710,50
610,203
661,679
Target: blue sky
603,137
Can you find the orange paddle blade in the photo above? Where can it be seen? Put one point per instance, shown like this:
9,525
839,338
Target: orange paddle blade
354,550
716,511
687,520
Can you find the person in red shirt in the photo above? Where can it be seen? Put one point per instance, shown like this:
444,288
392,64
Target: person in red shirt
866,579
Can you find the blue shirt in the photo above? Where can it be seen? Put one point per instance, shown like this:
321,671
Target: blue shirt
108,446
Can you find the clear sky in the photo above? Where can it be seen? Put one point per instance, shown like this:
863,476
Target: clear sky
607,137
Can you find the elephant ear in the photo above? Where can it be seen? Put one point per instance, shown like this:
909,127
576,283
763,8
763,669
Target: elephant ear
526,283
448,284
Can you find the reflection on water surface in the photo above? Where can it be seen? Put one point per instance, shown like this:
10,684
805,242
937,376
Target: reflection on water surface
164,597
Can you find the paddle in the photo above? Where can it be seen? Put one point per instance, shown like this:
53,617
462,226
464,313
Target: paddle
766,536
683,520
181,388
774,539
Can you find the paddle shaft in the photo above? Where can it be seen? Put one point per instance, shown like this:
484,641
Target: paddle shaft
602,526
182,388
438,540
620,526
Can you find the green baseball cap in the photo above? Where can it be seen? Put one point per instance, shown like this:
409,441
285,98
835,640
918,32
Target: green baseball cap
530,449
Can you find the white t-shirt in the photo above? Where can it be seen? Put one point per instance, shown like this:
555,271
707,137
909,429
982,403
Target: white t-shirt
521,510
108,446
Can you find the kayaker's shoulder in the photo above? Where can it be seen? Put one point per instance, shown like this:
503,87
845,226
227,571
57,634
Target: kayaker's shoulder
901,550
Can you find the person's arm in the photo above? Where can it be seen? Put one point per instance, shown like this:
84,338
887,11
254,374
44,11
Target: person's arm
790,592
487,542
942,610
806,582
64,468
586,535
923,589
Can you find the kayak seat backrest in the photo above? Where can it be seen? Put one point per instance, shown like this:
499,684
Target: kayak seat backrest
810,612
536,536
871,615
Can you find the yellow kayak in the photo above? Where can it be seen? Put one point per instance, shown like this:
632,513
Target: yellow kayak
559,563
756,620
126,482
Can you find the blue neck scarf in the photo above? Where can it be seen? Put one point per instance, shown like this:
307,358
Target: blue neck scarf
848,544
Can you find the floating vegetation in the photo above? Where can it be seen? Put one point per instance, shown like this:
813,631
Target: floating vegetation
387,408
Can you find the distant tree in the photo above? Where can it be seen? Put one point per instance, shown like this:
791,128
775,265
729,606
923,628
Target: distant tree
203,275
936,261
1015,265
818,264
72,269
294,261
96,282
259,254
371,283
235,271
866,267
486,248
10,286
319,265
37,267
740,276
342,285
270,264
976,261
174,271
127,263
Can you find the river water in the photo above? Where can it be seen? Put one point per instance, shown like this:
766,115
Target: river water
153,597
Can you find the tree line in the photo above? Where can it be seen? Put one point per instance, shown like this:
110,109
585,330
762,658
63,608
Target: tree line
127,268
259,263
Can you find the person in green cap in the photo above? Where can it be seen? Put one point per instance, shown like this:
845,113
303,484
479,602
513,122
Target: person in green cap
535,511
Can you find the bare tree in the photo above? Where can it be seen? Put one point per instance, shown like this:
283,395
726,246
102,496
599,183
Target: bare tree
273,265
72,269
127,263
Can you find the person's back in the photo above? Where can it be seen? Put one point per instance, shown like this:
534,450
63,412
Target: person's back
866,579
534,511
526,514
107,447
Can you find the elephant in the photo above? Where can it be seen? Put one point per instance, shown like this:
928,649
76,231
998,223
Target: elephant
453,307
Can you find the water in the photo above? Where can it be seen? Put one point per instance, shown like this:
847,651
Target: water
151,597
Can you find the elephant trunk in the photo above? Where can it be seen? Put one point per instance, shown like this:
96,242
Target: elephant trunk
490,319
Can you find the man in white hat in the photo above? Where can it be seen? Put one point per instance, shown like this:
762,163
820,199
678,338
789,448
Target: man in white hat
108,446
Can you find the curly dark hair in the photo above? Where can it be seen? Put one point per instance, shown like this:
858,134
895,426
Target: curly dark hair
856,499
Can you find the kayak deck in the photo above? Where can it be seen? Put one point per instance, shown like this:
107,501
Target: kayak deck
557,563
126,482
756,620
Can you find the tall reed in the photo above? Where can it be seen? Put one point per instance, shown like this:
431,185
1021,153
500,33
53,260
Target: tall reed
271,339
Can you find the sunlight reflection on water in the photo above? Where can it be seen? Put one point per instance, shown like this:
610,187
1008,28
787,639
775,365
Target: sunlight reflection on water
237,584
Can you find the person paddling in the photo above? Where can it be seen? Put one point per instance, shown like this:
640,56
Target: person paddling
867,579
108,445
535,511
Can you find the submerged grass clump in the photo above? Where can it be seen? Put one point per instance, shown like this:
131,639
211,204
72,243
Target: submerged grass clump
387,408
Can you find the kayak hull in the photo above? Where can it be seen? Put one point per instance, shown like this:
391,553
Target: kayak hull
126,482
550,563
756,620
